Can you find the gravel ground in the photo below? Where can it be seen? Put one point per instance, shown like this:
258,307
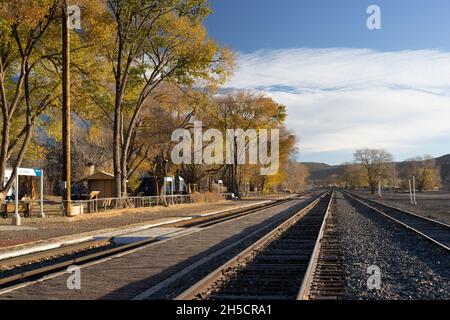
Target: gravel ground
411,268
49,228
434,205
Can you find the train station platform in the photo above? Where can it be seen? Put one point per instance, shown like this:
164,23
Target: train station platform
44,234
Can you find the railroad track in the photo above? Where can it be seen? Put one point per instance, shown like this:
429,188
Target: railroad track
275,266
325,278
203,222
432,230
39,272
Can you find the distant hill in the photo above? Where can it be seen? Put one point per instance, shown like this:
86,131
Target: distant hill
322,172
443,160
315,166
444,166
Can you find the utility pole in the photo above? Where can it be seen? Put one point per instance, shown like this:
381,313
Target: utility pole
66,106
379,189
410,190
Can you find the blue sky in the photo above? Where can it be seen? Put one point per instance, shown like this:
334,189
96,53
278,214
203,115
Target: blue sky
249,25
345,86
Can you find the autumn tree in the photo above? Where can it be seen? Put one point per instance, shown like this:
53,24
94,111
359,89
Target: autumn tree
297,175
376,163
243,111
25,89
425,171
155,42
90,85
167,109
287,151
354,176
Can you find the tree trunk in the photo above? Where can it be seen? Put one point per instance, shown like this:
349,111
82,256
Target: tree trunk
117,134
124,175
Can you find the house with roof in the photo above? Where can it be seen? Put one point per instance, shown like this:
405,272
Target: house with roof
102,182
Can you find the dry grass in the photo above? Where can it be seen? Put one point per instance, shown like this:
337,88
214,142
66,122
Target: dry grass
207,197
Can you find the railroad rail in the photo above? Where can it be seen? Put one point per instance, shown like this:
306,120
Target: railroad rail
206,221
324,279
42,271
432,230
274,266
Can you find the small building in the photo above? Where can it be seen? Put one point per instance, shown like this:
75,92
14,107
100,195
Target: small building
149,186
100,181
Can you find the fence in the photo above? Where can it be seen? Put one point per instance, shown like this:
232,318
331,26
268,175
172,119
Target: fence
32,208
231,196
29,208
107,204
56,207
249,194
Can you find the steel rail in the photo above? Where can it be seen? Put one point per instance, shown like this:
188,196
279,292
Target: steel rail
428,237
39,272
402,210
304,291
192,292
56,252
199,222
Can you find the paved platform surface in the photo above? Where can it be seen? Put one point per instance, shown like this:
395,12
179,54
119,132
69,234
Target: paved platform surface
155,233
129,275
16,228
44,231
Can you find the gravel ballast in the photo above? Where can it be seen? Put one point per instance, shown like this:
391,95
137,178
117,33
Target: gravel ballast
431,205
411,267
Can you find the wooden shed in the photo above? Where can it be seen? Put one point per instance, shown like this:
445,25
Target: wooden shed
101,181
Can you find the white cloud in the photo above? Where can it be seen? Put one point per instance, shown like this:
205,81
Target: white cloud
342,99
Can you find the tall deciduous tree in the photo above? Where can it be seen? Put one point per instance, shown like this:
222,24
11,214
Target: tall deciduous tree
155,41
243,111
376,162
296,176
25,91
354,176
426,172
